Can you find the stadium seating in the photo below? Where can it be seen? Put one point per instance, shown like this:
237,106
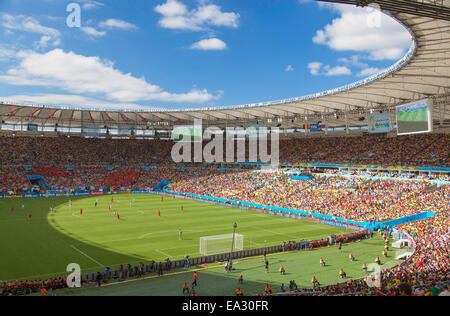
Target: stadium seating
74,163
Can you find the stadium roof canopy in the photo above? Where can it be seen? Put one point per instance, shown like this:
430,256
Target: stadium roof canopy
424,72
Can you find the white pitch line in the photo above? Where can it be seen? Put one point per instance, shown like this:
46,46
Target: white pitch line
270,231
93,260
175,232
155,233
165,254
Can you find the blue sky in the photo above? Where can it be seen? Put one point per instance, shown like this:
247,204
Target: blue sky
188,53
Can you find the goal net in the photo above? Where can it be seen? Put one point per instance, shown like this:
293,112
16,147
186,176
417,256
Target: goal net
212,245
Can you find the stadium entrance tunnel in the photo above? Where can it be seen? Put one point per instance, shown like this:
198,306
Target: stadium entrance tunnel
37,180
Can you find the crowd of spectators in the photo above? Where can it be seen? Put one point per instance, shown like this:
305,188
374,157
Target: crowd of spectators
142,164
411,150
20,288
75,151
84,163
350,198
426,273
13,179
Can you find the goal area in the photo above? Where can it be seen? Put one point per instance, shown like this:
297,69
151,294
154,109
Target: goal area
212,245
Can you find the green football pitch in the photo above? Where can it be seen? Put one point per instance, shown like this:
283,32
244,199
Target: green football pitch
43,246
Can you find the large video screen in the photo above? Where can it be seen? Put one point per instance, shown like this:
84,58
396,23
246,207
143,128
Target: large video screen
379,123
126,130
187,134
90,130
256,131
414,117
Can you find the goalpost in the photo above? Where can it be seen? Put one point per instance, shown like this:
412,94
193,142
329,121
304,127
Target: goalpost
212,245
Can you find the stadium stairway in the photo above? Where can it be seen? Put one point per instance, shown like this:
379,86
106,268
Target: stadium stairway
431,188
161,186
408,219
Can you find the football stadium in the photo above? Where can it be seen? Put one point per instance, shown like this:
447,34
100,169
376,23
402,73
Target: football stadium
342,192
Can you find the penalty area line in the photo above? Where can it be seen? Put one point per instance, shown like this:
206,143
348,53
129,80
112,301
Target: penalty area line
165,254
90,258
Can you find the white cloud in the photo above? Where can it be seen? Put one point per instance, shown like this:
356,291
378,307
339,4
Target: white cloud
92,31
318,69
367,72
172,8
72,100
289,68
314,68
90,4
175,15
117,24
209,44
354,61
337,71
31,25
364,30
6,53
78,74
320,37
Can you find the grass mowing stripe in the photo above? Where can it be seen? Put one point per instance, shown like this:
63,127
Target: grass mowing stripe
43,242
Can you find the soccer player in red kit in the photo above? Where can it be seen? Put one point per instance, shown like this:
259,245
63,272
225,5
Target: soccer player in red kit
12,210
159,213
29,216
81,212
181,207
